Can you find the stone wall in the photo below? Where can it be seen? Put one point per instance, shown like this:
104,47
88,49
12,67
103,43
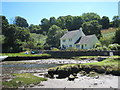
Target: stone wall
80,53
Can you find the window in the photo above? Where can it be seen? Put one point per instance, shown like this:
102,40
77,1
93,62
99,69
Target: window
85,45
70,39
64,40
77,46
70,45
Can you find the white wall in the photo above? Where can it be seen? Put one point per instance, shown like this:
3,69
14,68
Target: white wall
74,39
90,45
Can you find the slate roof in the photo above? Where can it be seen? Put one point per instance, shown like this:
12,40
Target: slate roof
70,34
85,39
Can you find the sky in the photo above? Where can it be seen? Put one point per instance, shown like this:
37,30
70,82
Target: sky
34,12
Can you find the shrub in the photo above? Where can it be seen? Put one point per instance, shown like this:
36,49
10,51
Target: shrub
71,49
55,49
114,46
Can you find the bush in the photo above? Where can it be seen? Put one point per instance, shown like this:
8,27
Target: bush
114,46
55,49
97,45
71,49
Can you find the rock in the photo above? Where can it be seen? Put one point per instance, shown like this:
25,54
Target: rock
71,78
96,77
95,83
74,74
31,85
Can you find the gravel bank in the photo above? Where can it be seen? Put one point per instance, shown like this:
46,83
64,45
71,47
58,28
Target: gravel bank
59,61
104,81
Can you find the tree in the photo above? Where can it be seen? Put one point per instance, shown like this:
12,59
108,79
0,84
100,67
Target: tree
45,25
54,35
117,36
21,22
77,22
2,38
61,22
105,41
14,36
35,29
90,16
53,21
92,27
116,21
69,22
105,22
3,24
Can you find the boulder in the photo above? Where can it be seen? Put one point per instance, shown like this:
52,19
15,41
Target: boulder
71,78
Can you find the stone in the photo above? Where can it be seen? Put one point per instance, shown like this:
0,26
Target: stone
95,83
71,78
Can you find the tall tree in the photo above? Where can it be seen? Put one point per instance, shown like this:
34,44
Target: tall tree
90,16
21,22
45,25
61,22
69,22
92,27
105,22
77,22
53,21
117,36
116,21
54,35
35,29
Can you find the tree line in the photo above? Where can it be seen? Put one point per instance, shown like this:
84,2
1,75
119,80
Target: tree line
21,36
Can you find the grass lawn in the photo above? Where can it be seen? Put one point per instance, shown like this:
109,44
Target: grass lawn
23,79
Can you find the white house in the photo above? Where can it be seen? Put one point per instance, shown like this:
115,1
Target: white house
78,39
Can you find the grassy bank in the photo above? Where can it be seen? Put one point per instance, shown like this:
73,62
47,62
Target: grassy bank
23,79
24,55
107,66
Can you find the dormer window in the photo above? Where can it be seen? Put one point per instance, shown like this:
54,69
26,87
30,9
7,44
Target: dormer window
63,40
70,39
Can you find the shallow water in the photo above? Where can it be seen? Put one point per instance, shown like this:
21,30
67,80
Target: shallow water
29,65
22,67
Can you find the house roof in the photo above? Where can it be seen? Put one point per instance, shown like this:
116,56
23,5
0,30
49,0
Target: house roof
71,34
85,39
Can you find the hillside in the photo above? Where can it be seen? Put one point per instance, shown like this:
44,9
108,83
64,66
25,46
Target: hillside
108,32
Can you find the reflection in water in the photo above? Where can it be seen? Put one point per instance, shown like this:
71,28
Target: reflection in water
18,68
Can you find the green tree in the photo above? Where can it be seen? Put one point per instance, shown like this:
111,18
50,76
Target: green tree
53,21
61,22
77,22
69,22
105,41
116,21
105,22
90,16
54,35
92,27
2,38
45,25
35,29
117,36
14,36
21,22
